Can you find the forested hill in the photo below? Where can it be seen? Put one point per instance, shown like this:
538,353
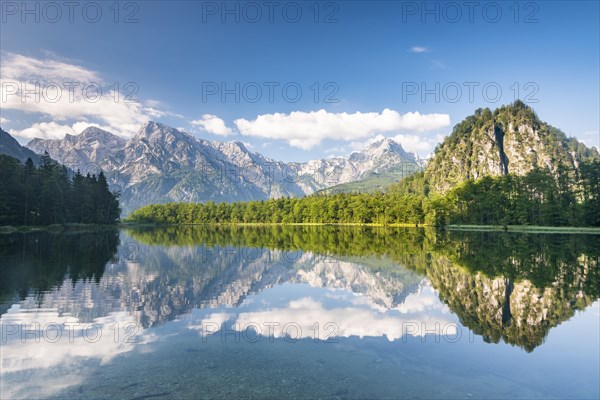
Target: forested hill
508,140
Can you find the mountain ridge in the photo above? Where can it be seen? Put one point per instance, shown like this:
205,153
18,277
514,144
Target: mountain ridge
11,147
162,164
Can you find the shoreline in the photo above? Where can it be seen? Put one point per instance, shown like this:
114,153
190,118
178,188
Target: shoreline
490,228
69,228
57,228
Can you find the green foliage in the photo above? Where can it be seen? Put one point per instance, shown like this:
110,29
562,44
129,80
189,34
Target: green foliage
46,195
373,183
537,198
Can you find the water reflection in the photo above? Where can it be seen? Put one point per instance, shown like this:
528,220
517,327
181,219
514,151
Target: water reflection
37,262
74,310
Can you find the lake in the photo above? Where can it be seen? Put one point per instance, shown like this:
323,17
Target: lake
299,312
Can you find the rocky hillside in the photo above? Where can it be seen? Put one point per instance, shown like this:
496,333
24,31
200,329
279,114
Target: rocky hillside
511,139
384,160
92,146
10,147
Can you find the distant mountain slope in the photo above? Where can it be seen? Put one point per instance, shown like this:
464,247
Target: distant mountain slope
92,146
10,147
384,158
373,182
162,164
511,139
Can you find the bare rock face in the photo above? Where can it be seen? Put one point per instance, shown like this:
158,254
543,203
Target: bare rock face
84,151
162,164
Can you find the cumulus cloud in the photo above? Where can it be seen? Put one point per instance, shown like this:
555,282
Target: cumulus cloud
306,130
53,130
213,124
68,93
4,120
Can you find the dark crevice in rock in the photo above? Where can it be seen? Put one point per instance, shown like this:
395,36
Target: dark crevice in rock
506,312
499,134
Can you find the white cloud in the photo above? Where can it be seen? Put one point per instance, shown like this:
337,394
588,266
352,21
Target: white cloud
213,124
153,103
4,120
422,145
53,130
60,96
419,49
306,130
19,67
44,130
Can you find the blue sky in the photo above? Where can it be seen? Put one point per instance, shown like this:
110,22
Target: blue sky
369,60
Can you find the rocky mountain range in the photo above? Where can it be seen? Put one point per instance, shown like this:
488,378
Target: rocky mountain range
162,164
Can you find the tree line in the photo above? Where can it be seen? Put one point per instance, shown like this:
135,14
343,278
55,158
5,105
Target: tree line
49,194
564,198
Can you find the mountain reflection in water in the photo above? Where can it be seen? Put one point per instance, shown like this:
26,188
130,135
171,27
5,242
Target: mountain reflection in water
329,282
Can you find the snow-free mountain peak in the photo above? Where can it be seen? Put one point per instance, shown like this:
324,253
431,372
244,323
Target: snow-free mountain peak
156,130
84,151
387,145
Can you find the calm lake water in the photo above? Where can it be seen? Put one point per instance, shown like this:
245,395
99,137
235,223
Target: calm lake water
299,312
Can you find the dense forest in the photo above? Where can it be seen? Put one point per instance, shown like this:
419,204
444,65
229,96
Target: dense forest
537,198
45,195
